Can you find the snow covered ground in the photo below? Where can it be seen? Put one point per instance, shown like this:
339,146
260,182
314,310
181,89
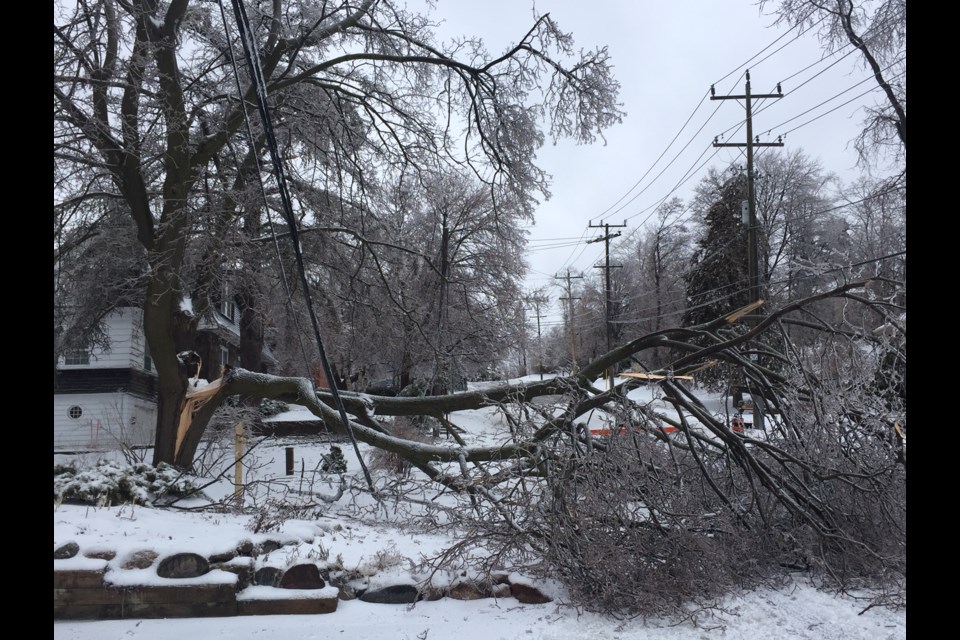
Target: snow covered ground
382,545
799,612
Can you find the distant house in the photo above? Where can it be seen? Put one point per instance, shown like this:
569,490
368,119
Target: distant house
103,398
218,340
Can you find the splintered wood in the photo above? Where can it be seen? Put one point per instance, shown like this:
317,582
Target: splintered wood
653,376
194,399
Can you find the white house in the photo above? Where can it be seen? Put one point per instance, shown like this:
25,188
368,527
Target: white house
104,398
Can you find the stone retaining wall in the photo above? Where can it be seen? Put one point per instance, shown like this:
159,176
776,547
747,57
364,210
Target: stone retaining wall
86,589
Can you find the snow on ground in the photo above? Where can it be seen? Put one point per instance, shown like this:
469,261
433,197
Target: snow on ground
799,612
379,542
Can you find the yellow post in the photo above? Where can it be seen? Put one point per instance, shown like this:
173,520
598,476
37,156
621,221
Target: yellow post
238,458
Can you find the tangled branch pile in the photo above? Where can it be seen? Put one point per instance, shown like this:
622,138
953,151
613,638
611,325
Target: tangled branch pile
645,521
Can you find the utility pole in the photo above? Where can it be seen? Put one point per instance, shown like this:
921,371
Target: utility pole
753,257
522,347
571,326
536,302
753,253
607,236
442,369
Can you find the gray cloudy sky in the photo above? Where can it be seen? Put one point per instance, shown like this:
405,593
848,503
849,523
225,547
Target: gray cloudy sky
666,55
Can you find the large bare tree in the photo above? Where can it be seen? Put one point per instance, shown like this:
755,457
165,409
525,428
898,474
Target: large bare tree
145,94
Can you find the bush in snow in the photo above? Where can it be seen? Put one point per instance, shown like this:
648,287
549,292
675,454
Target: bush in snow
111,483
269,407
334,462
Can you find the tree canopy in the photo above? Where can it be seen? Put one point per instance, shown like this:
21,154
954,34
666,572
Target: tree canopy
154,112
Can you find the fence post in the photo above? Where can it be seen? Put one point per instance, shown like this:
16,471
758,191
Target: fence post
238,448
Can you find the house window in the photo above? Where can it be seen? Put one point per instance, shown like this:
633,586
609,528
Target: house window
229,309
78,356
224,356
75,412
147,360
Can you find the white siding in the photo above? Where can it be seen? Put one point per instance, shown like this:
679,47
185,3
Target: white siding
138,342
125,329
107,421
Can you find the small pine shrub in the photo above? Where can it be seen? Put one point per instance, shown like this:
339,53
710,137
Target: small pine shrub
61,469
111,483
270,407
334,462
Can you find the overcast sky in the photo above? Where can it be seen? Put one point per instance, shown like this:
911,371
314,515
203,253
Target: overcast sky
666,55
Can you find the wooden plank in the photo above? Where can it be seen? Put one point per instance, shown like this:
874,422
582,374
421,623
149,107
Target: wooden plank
212,593
623,431
120,611
100,595
77,578
180,610
707,365
299,606
88,612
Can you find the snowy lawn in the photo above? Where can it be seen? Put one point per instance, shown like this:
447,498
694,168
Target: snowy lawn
382,543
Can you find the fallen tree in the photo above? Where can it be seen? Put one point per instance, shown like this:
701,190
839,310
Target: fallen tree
823,488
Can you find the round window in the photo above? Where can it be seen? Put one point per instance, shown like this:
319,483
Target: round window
74,412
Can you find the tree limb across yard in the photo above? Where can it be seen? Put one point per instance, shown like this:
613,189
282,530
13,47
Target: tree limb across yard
697,346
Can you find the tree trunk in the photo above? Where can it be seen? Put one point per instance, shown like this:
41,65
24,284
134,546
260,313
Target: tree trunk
169,331
251,332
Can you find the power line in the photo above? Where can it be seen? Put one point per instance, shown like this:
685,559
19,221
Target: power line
783,46
829,210
839,106
259,84
737,127
811,78
570,259
834,97
614,208
781,37
263,191
776,282
657,177
635,184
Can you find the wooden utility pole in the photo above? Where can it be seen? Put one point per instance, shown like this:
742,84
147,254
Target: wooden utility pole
442,368
753,253
535,301
522,347
605,238
753,257
571,326
239,446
